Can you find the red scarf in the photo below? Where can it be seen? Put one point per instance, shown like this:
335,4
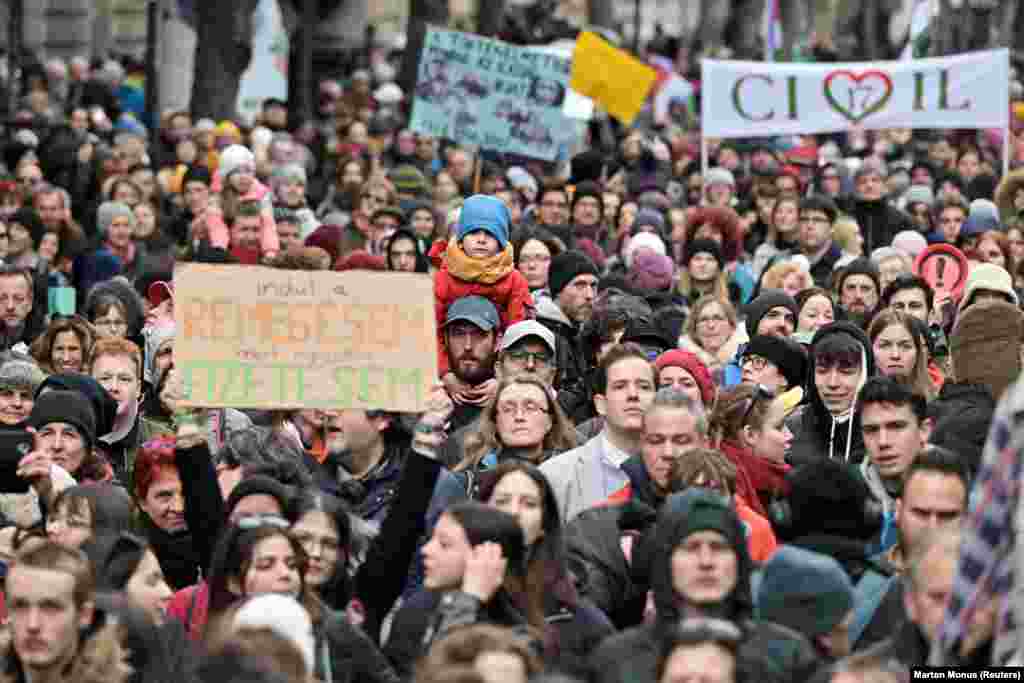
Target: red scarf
755,476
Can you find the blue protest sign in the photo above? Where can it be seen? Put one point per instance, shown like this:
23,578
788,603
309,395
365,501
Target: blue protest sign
494,95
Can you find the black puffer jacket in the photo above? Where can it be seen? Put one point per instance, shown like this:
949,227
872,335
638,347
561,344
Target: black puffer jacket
769,653
574,392
879,222
816,434
350,654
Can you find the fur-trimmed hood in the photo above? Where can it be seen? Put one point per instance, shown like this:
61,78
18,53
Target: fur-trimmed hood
1006,191
102,659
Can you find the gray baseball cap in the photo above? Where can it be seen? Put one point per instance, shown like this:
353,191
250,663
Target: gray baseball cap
527,328
475,309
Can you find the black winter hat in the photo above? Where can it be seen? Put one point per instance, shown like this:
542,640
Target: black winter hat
259,484
787,355
766,301
104,407
861,266
565,267
587,166
69,407
830,497
197,174
588,188
703,246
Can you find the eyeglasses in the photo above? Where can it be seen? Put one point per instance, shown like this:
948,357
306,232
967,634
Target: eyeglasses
761,393
527,408
524,357
261,520
756,363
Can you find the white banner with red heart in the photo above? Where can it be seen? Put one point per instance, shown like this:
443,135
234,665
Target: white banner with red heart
752,99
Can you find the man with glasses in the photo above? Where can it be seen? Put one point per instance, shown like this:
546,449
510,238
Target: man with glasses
587,210
527,350
777,363
553,210
817,215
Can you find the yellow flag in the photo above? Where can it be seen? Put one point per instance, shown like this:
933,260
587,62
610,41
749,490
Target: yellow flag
611,77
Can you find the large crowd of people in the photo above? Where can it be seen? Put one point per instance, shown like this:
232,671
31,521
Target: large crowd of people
688,426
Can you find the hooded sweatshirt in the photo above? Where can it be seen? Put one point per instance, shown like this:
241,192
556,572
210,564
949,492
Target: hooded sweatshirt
817,432
775,652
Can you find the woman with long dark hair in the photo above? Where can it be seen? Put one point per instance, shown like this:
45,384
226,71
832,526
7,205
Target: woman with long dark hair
258,555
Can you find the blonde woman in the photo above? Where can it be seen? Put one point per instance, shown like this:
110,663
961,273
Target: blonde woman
712,333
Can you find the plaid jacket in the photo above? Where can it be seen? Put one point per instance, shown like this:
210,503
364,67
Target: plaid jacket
987,549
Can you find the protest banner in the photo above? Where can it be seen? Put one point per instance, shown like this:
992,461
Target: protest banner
754,99
611,77
483,92
253,337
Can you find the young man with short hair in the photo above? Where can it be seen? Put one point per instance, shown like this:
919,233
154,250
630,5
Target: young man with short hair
588,475
895,424
50,593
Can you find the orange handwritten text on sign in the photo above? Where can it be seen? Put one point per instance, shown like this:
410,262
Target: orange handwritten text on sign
264,338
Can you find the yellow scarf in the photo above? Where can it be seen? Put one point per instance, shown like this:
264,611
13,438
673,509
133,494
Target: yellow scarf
485,271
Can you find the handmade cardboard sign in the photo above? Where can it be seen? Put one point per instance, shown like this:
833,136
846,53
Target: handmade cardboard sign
253,337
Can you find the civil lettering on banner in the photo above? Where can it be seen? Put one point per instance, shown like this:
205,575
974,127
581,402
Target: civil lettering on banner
752,99
483,92
253,337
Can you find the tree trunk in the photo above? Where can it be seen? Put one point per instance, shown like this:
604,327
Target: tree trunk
223,51
601,13
300,65
944,40
489,17
421,13
1016,40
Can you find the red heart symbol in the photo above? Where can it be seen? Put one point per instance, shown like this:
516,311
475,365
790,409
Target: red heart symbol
860,105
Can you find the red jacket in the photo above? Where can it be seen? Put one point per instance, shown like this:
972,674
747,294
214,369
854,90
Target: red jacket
494,279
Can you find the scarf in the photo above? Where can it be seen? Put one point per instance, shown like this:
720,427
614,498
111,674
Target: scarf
126,254
178,558
756,476
484,271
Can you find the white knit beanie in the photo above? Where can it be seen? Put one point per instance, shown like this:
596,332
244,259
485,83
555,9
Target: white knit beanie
232,158
285,617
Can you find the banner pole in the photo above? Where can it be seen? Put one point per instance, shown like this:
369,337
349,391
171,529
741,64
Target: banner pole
1006,150
703,158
